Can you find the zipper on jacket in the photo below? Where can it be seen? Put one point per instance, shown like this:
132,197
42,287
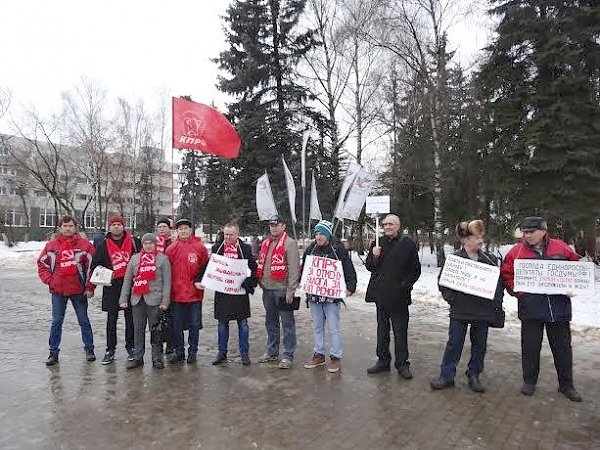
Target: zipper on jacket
550,308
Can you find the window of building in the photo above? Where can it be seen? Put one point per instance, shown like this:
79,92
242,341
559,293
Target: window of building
3,151
15,219
129,221
3,190
7,170
47,218
89,220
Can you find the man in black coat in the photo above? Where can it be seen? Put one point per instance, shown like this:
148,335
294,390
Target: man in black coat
394,267
234,307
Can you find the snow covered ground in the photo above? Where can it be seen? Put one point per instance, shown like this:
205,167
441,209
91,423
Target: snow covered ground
586,308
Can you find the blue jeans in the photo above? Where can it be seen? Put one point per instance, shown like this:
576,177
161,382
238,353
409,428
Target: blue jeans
243,334
59,307
186,315
273,315
456,340
327,313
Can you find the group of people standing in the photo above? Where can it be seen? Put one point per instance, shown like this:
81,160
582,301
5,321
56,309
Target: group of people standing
158,274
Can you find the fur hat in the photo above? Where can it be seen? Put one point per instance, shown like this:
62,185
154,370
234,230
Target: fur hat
466,229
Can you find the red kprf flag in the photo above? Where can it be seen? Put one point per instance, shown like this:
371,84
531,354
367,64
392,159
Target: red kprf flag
200,127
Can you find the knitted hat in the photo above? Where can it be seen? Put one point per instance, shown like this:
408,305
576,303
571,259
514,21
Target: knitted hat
164,220
116,219
325,228
149,237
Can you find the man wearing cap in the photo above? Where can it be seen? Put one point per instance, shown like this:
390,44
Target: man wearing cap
188,257
395,268
114,253
278,273
148,283
327,309
539,311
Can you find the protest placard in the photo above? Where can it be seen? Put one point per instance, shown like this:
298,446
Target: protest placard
323,277
538,276
225,275
470,277
101,276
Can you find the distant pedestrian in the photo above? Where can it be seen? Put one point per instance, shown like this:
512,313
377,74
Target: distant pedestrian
114,253
325,311
469,310
278,274
64,265
395,268
539,311
230,307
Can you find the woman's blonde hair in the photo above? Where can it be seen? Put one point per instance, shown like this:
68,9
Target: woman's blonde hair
466,229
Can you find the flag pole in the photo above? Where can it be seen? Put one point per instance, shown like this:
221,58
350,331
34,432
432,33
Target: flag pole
172,185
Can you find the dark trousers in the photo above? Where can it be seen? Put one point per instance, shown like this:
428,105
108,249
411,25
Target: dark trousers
399,323
457,332
559,338
111,329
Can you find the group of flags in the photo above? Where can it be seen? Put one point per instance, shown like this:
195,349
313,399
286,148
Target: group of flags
203,128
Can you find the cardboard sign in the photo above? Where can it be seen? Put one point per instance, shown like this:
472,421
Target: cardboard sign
225,275
101,276
537,276
323,277
378,204
470,277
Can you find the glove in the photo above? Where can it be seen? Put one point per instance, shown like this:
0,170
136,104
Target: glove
248,285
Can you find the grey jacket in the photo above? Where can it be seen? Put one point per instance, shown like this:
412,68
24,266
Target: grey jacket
292,255
160,287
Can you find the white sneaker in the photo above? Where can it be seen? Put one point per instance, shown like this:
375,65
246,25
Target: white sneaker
285,363
268,358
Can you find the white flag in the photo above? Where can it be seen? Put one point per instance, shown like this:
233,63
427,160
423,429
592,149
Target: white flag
353,169
303,158
315,211
363,182
265,204
291,188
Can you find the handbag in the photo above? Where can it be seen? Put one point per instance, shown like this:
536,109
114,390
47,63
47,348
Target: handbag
282,305
499,318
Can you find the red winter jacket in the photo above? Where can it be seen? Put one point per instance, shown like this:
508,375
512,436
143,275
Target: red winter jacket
66,285
187,259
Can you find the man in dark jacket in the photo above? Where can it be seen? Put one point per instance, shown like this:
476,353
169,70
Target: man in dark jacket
64,266
324,308
234,307
539,311
114,253
394,267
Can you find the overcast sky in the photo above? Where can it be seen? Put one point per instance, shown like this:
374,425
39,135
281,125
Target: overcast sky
133,48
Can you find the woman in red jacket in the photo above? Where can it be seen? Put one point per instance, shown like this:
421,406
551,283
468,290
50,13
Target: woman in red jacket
188,256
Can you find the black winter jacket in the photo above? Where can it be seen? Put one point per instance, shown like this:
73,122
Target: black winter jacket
470,307
393,273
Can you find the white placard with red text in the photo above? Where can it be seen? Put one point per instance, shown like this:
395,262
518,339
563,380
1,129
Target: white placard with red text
539,276
470,277
225,275
323,277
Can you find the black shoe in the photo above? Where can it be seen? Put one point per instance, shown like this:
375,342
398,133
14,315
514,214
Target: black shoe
475,383
246,360
168,349
109,357
134,364
90,355
378,367
176,358
52,359
440,383
528,389
158,364
221,358
130,354
192,358
570,393
405,372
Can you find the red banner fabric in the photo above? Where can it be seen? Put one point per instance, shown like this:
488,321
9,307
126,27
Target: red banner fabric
200,127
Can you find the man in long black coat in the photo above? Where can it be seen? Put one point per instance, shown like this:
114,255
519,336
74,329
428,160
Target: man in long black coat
234,307
394,267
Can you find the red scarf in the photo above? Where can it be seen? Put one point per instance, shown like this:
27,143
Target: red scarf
278,268
230,251
146,272
119,256
161,243
67,265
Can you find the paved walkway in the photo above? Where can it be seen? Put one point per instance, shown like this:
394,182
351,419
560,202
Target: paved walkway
86,405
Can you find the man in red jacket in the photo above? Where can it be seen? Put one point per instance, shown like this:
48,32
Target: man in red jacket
188,256
64,266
